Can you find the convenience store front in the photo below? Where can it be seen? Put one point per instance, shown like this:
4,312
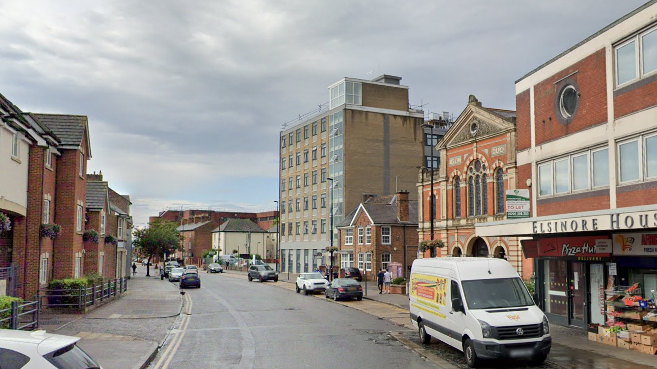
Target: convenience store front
581,259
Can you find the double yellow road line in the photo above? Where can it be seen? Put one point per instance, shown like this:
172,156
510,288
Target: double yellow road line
171,349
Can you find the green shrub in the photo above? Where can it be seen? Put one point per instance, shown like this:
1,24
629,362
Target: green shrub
530,287
5,303
399,280
94,279
67,291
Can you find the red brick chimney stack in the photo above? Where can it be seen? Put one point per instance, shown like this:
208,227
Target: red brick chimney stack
402,206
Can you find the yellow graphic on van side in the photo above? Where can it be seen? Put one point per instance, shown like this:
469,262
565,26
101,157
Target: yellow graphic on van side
430,311
430,288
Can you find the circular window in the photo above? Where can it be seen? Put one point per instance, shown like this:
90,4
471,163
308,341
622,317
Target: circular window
567,101
473,128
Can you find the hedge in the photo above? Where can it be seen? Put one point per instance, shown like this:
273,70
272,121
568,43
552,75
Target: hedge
5,303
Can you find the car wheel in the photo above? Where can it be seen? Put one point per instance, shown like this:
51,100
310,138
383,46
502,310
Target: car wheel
305,291
470,354
250,278
276,279
263,280
359,298
297,288
326,294
335,297
424,336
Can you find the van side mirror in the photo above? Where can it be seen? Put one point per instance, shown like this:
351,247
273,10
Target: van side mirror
457,305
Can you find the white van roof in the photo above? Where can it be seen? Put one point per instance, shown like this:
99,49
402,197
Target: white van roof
468,268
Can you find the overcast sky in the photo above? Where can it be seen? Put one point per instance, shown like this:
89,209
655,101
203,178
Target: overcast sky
186,99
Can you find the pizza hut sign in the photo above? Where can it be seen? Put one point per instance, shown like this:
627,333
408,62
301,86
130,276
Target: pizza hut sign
571,246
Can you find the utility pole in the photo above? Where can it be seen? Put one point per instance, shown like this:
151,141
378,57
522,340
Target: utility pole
432,197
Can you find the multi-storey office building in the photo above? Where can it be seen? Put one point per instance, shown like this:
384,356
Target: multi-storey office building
367,141
587,152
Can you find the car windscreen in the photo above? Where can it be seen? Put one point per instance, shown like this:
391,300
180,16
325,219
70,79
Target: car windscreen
346,282
314,276
213,265
71,357
177,270
496,293
267,267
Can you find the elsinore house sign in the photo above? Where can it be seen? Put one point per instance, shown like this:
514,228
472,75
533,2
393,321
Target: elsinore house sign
634,218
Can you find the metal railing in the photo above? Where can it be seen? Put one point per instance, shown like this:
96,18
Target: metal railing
82,297
20,315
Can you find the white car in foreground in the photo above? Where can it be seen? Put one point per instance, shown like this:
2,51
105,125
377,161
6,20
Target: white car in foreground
311,282
41,350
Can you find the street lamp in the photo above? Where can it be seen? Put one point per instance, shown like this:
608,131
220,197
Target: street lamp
331,249
433,201
278,235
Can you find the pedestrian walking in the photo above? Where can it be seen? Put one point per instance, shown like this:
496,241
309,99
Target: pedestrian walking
387,276
379,280
134,269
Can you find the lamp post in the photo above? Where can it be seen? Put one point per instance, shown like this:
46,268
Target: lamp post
433,202
278,235
331,228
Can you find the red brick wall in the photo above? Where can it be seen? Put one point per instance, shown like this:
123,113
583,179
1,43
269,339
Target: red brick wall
586,204
636,99
523,120
590,76
635,198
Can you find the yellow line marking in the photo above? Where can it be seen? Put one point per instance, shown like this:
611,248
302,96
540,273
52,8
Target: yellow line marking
173,347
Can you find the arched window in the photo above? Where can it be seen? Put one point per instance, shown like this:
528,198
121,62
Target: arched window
499,190
478,193
471,197
457,197
484,193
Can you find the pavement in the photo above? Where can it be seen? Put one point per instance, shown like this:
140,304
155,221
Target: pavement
137,325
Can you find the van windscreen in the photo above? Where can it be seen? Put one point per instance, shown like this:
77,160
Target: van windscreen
496,293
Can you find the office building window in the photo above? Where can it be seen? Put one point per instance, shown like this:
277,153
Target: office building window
305,155
323,123
323,200
323,150
290,186
361,234
283,207
314,201
289,206
298,181
314,177
368,235
305,203
385,235
290,232
432,162
349,236
298,158
545,179
323,225
305,179
323,175
574,172
291,138
305,132
283,141
313,228
315,128
430,140
283,185
636,57
600,163
283,163
315,153
282,229
305,227
298,205
299,135
291,161
298,228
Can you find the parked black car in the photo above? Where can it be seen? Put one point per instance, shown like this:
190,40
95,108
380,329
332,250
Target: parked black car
214,268
190,279
353,273
262,273
342,288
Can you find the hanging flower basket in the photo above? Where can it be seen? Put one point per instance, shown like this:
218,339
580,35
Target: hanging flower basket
90,236
5,223
110,239
431,245
50,230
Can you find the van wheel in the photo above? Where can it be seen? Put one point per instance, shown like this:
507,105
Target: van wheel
470,354
250,278
538,359
424,336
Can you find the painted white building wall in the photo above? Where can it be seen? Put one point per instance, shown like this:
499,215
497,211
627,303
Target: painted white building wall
13,172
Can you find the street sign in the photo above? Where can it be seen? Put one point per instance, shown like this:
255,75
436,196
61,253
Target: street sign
517,204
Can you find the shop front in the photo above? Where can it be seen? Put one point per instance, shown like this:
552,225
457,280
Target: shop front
569,277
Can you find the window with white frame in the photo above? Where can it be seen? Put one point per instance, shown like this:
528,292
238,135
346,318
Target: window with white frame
305,227
349,236
283,185
283,141
361,260
313,229
361,233
346,261
46,211
368,235
637,159
323,225
101,262
283,163
102,222
577,172
119,232
368,261
352,95
14,145
43,269
636,57
79,219
48,157
78,266
298,228
81,164
385,260
385,235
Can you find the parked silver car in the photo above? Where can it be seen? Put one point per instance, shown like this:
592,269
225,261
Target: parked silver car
262,273
214,268
175,274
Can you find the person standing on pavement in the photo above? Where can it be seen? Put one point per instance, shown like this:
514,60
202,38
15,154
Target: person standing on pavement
386,281
379,280
134,268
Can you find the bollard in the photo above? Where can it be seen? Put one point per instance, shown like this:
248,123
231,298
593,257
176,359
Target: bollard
14,315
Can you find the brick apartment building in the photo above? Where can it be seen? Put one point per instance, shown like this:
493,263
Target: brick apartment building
366,141
469,187
587,152
381,233
43,165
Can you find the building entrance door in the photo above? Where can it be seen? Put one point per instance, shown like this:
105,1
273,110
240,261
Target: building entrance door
577,293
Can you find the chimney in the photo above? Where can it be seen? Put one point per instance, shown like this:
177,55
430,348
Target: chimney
95,177
402,206
365,197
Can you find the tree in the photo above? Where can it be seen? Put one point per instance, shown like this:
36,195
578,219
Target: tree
159,238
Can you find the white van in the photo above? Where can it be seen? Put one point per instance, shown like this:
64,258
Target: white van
479,306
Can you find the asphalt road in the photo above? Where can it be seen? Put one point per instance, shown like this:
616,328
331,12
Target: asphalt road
233,323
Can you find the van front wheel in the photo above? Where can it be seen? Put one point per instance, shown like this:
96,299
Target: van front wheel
470,354
424,336
538,359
